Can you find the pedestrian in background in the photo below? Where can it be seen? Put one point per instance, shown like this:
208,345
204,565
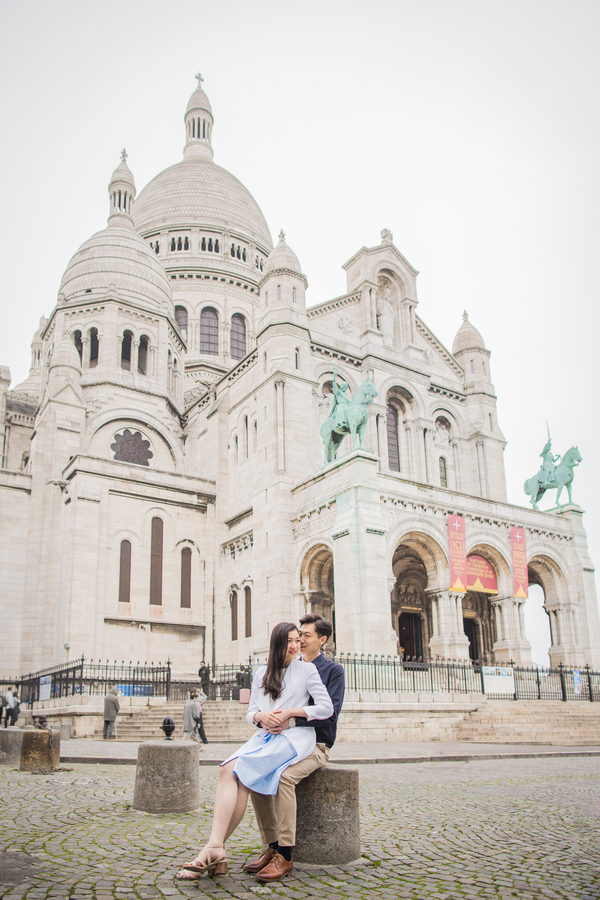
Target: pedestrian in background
111,710
204,676
16,708
7,705
200,698
191,717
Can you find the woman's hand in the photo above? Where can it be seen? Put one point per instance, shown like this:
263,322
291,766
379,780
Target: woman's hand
269,720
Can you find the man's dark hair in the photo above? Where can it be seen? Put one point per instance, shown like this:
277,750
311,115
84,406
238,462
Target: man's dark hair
323,627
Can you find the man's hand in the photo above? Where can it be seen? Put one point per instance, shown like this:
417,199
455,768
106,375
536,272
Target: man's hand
277,729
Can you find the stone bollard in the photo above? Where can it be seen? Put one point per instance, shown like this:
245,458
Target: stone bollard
328,818
167,777
40,751
10,746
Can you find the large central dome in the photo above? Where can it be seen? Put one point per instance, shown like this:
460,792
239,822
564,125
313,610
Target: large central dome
198,192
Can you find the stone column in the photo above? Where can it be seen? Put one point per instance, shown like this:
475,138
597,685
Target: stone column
511,643
279,388
457,472
448,639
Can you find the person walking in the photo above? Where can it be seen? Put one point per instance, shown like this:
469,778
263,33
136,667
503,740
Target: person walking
111,710
7,705
200,699
280,694
192,718
16,708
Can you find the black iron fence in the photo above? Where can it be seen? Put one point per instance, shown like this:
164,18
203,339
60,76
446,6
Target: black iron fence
507,681
86,677
364,673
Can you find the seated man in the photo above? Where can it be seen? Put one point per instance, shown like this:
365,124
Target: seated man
277,815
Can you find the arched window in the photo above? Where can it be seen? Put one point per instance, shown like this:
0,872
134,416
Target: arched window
443,473
293,295
255,448
186,578
278,292
392,438
157,247
210,245
156,562
246,448
236,450
94,348
209,332
248,603
172,243
126,351
234,616
472,366
143,355
238,336
125,573
179,244
233,250
216,246
203,244
186,243
181,317
78,346
297,358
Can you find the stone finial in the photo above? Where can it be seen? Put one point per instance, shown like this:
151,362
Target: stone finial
124,155
386,236
465,316
282,235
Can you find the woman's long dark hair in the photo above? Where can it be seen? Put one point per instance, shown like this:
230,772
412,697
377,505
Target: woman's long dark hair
277,652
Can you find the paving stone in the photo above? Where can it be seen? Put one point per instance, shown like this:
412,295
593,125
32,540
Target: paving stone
513,828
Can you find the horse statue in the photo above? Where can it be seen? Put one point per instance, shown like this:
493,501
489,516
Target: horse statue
550,476
347,416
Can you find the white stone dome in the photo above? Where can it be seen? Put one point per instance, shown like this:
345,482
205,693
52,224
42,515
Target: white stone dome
199,101
467,338
283,257
198,192
120,257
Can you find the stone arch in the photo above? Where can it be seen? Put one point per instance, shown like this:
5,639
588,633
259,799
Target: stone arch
419,567
548,573
317,584
149,423
480,617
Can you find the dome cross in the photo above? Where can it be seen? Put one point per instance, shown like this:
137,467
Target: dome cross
123,155
200,80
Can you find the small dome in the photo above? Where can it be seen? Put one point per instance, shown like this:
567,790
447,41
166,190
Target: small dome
123,174
117,257
66,355
467,338
283,257
198,101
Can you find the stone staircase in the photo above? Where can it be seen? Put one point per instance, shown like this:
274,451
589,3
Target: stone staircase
531,722
224,721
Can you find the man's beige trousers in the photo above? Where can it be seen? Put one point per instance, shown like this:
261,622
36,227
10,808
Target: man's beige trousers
276,816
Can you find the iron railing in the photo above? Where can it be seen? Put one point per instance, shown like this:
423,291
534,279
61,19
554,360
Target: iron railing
86,677
389,674
364,673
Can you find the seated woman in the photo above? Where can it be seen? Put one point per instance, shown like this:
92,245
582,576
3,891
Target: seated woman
280,693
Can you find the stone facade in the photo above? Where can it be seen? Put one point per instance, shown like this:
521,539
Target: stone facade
163,484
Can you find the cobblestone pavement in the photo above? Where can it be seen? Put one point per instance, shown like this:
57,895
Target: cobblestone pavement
488,829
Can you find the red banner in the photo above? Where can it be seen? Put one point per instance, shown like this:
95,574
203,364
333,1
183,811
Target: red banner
519,558
481,576
458,554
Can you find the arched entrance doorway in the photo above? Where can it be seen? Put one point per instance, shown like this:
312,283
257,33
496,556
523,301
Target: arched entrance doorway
411,607
317,585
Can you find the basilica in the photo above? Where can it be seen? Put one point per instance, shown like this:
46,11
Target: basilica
165,488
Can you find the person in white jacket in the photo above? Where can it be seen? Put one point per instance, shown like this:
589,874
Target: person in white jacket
280,693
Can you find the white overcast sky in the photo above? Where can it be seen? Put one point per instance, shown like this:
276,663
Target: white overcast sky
470,129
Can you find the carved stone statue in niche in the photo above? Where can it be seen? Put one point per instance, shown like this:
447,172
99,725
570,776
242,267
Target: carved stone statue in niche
385,317
441,436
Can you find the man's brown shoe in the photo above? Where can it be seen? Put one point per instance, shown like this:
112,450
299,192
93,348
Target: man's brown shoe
276,869
263,860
